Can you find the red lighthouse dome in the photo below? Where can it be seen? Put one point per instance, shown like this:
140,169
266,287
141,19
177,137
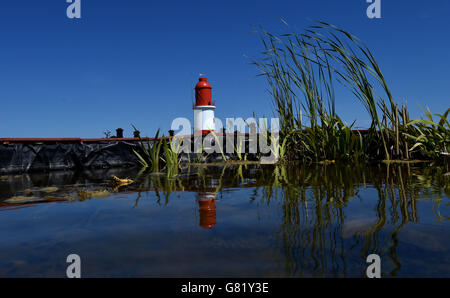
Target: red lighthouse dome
203,93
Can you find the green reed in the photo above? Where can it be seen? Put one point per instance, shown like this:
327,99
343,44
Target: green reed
431,138
151,153
171,150
302,70
160,152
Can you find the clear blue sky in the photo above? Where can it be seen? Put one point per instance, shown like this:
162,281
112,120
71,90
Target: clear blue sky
135,61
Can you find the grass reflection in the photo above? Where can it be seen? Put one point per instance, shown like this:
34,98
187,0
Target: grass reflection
328,217
314,204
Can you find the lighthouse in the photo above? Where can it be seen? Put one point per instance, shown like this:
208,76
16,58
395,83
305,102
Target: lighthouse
203,108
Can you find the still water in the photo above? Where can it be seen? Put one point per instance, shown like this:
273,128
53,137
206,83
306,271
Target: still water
233,221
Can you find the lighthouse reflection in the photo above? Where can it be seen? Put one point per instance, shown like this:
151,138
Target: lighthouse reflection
207,209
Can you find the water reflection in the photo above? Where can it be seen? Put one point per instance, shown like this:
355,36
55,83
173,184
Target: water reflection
207,209
315,223
327,216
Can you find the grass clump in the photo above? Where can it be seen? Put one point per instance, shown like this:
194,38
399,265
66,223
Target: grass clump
302,70
151,150
160,153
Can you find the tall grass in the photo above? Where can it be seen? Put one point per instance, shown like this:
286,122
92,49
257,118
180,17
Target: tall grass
171,150
160,152
151,152
431,138
302,70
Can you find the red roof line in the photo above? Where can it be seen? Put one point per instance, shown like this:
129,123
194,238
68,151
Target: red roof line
79,140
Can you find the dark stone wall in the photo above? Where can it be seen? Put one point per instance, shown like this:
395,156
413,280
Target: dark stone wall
28,157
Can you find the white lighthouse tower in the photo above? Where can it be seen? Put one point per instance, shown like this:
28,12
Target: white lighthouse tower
203,108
